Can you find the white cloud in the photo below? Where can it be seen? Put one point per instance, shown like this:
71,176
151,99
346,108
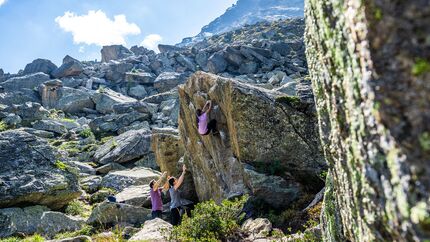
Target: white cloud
151,41
82,49
97,28
2,2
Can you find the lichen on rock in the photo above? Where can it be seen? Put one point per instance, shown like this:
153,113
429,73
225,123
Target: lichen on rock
373,106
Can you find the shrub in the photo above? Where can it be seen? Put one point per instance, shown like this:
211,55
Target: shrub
3,126
78,208
86,133
211,222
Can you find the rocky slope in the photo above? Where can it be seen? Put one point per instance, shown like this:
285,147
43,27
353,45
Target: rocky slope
74,134
249,12
370,71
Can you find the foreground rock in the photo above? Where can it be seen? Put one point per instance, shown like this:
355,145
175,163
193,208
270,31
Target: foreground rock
119,180
153,230
29,174
375,134
115,213
126,147
36,219
257,126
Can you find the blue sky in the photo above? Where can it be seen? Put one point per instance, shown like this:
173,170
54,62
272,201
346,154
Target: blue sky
51,29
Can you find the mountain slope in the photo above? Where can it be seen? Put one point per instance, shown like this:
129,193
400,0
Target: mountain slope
249,12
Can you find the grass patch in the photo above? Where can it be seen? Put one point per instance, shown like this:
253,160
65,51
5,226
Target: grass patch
86,133
72,148
85,230
292,100
78,208
3,126
211,222
420,67
61,165
34,238
104,140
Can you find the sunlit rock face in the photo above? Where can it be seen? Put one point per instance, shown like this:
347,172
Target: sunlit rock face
260,129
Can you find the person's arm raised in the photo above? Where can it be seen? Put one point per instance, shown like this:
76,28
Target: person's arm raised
181,178
210,106
157,183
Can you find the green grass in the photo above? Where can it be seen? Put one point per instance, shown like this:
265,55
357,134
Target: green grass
34,238
86,133
78,208
11,239
420,67
61,165
3,126
293,100
85,230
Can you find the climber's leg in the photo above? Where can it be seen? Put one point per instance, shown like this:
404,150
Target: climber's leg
212,127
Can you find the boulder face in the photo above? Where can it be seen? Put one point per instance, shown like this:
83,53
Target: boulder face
29,175
113,213
114,52
40,65
126,147
250,120
36,219
373,102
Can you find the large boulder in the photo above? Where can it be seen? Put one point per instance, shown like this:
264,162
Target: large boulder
156,230
126,147
273,190
70,67
371,75
169,150
114,52
168,80
119,180
73,100
19,97
50,125
24,82
70,100
30,173
28,111
108,213
36,219
105,99
216,63
115,71
136,196
258,127
113,123
39,65
140,77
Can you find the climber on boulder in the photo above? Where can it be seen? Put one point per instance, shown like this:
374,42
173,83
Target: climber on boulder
205,127
176,202
155,193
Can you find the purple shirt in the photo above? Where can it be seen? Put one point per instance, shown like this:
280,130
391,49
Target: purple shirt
156,202
203,123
